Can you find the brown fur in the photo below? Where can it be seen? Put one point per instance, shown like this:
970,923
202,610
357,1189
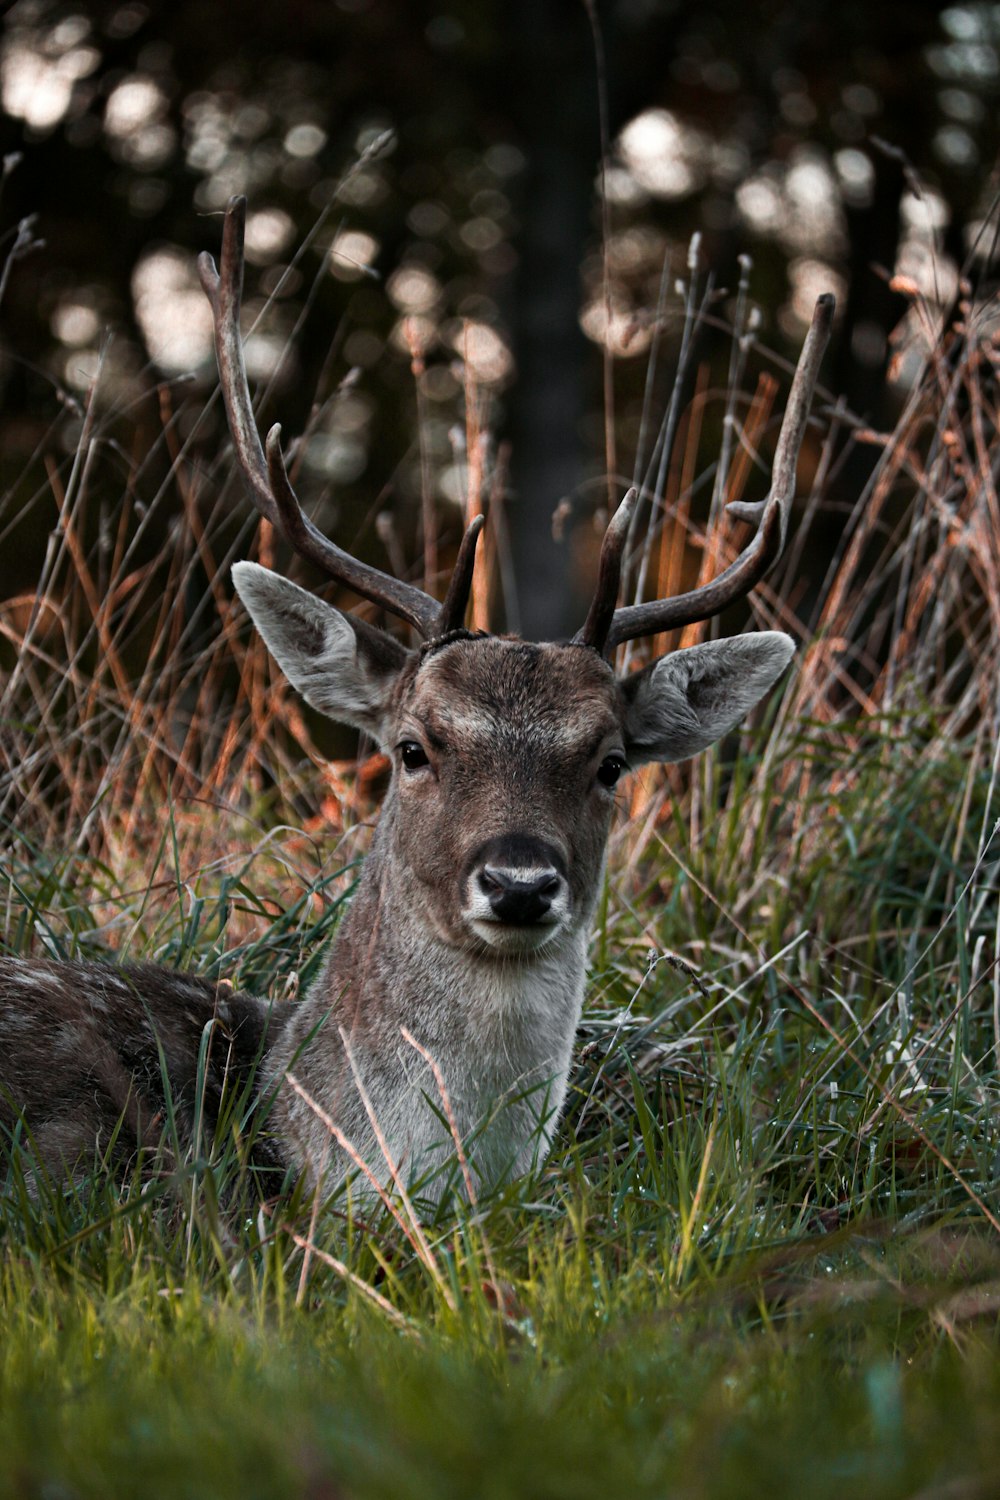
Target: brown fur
84,1048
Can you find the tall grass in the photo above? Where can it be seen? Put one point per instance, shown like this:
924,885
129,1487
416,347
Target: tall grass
764,1252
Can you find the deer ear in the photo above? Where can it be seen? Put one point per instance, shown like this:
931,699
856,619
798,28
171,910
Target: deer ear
344,667
688,699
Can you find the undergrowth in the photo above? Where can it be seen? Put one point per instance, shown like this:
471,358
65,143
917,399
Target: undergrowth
764,1256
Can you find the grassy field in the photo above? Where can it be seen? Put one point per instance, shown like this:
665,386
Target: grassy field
764,1257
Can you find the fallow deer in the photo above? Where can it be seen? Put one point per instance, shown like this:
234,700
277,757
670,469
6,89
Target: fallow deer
457,976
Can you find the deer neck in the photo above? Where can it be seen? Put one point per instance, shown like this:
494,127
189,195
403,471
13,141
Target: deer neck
499,1030
391,966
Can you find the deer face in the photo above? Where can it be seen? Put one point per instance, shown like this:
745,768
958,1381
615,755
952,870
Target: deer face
506,755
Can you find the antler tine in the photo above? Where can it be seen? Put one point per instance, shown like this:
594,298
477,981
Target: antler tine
457,598
609,570
266,478
225,291
771,516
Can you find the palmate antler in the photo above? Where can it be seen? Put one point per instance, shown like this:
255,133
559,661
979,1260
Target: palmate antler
606,625
267,479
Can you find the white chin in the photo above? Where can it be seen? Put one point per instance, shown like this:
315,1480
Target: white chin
508,939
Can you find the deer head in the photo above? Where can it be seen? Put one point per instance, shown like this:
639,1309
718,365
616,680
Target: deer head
505,753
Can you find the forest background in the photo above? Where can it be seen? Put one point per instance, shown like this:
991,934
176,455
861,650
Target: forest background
835,148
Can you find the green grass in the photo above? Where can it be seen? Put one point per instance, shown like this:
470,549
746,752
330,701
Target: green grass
762,1259
171,1394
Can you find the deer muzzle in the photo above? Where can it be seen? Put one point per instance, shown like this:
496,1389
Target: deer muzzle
517,893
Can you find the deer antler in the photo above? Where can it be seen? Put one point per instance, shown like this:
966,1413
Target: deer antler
606,626
267,479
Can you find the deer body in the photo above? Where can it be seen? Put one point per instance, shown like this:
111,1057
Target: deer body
470,927
468,931
514,738
450,999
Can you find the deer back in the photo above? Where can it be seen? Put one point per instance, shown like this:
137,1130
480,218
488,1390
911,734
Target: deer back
92,1055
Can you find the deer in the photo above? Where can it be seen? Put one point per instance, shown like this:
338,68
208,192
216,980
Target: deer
447,1006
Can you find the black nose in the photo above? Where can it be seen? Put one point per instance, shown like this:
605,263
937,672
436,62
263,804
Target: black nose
519,898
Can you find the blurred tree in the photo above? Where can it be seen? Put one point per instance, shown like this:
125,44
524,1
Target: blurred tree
474,235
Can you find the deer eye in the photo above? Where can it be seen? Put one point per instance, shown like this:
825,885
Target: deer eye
413,755
610,769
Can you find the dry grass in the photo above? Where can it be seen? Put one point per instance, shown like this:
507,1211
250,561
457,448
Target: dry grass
132,686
